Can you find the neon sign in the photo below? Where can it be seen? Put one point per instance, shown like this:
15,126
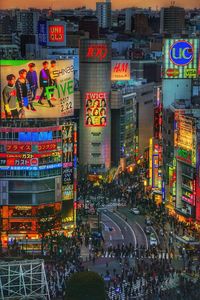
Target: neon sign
22,162
181,53
31,168
18,148
35,136
184,155
99,51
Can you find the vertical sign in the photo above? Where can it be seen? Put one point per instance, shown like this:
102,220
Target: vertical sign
68,161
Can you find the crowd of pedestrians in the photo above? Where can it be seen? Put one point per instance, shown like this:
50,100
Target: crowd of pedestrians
140,273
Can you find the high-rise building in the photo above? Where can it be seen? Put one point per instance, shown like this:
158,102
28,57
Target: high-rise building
103,12
37,164
128,19
27,21
172,20
90,24
95,119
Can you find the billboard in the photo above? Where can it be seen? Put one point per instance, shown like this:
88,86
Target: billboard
95,109
180,58
185,138
120,70
56,33
37,89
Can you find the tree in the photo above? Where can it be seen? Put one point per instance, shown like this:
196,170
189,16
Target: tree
85,286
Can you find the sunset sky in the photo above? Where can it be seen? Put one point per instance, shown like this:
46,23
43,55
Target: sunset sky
56,4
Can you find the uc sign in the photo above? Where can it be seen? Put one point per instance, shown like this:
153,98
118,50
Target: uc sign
181,53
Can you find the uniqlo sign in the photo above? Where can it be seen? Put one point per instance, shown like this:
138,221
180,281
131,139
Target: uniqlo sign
56,33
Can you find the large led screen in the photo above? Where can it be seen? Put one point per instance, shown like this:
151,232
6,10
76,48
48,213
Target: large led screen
37,89
96,109
180,58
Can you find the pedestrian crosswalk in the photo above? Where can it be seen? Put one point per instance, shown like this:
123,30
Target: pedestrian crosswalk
139,288
162,255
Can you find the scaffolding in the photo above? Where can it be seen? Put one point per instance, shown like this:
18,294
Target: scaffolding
23,279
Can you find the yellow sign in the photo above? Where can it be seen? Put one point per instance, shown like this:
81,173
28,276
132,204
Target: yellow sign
120,70
190,73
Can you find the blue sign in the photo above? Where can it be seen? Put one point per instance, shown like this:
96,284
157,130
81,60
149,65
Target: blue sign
26,168
35,136
181,53
42,33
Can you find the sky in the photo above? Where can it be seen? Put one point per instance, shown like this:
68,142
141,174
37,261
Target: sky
57,4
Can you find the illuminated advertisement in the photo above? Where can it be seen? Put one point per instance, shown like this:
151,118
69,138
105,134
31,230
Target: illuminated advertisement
150,160
184,155
95,50
68,161
98,51
155,176
37,89
56,33
120,70
185,138
31,168
95,109
158,122
180,58
198,191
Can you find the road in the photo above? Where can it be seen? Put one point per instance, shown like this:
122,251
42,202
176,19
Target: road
123,232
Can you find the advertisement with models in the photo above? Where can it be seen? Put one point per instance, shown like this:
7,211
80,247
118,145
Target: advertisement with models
37,89
95,109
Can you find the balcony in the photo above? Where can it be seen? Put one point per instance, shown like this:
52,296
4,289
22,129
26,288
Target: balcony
186,187
188,175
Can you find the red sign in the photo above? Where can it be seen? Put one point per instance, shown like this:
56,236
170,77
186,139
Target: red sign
56,33
18,148
97,51
47,147
29,155
22,162
172,72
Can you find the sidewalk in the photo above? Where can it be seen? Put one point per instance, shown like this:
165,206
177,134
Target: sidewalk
84,253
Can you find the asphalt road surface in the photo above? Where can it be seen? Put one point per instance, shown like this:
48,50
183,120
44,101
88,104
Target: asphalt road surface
121,232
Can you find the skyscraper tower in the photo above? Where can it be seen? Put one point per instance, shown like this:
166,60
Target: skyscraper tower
103,13
95,117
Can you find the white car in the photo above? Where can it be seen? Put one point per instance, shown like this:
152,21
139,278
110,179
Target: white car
153,241
135,211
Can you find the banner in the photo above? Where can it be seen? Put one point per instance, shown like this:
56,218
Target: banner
37,89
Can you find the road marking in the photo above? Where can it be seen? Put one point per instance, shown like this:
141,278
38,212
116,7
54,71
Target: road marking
112,221
131,229
155,234
147,244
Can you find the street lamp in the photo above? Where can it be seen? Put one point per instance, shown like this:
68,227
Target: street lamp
26,242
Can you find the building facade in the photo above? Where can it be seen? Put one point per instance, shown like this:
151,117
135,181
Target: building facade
95,117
